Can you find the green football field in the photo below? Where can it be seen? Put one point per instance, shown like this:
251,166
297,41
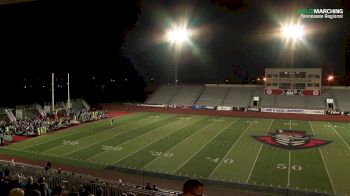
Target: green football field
206,147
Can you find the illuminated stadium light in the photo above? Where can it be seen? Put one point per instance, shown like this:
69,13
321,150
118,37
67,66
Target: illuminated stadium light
330,78
178,36
293,31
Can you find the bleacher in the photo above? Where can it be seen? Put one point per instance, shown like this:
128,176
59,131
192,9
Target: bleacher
212,96
162,95
186,95
238,97
342,99
291,101
265,100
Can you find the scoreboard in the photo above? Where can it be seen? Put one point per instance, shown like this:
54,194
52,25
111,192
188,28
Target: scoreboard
293,81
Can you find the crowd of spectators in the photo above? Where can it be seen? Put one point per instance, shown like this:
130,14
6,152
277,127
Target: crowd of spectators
24,180
39,126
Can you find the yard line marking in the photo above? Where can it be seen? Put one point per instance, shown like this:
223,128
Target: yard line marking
228,152
290,124
135,137
347,145
107,138
205,145
185,140
158,139
261,145
288,183
324,162
76,131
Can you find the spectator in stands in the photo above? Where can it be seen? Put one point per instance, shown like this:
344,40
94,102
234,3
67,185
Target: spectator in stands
30,185
73,194
16,182
193,187
34,192
99,191
16,192
4,184
43,187
148,187
58,191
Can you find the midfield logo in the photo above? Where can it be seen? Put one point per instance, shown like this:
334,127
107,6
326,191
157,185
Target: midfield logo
291,140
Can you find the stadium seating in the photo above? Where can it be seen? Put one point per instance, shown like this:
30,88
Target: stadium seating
265,100
162,95
187,95
72,181
238,97
318,102
212,96
292,101
342,97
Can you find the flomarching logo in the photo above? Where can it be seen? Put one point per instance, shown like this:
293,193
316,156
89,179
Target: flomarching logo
291,139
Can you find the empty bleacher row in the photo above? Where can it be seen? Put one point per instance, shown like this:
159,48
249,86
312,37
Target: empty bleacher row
241,96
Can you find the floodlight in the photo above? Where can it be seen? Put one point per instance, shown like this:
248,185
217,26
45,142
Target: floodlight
178,36
293,31
330,78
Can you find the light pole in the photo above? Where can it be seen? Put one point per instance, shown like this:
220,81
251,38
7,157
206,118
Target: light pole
177,37
293,33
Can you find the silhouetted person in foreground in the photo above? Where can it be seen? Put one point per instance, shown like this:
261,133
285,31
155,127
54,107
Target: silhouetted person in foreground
193,187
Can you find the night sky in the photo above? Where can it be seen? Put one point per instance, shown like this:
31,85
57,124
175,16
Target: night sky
112,49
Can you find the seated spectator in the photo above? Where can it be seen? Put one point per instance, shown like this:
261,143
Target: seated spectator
58,191
16,192
30,185
154,188
148,187
16,182
43,187
34,192
193,187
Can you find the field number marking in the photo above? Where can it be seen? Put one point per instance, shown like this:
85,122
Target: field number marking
67,142
294,167
112,148
157,154
217,160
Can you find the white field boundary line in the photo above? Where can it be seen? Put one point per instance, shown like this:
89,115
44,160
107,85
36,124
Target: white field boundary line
347,145
288,182
289,152
121,158
140,136
57,156
67,135
233,145
107,138
105,131
256,159
324,162
194,154
188,138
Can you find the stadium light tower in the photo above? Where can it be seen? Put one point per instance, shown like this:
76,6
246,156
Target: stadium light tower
177,37
292,33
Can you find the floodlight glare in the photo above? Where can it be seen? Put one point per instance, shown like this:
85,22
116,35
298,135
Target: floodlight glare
293,31
330,78
178,36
